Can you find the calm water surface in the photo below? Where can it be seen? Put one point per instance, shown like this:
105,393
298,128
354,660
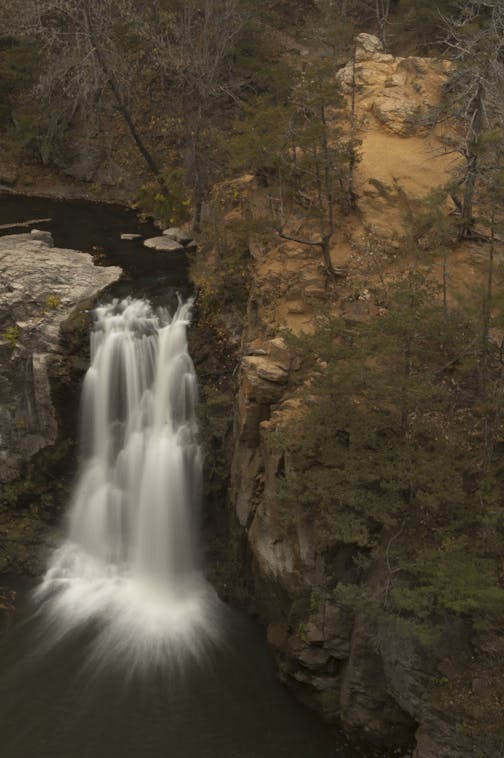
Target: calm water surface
227,705
96,228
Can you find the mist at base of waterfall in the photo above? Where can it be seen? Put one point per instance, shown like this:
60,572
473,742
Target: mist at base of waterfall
134,623
129,569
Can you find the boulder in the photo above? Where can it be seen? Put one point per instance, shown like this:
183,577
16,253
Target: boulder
400,115
43,236
164,244
367,46
41,287
264,368
177,234
129,237
279,353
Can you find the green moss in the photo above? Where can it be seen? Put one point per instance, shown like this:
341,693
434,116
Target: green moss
11,335
53,302
171,207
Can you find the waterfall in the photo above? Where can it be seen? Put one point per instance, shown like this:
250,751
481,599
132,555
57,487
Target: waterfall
130,560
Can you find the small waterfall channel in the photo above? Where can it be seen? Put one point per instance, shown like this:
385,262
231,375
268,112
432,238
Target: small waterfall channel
130,560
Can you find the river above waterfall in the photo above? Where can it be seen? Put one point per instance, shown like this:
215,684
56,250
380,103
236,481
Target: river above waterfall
96,228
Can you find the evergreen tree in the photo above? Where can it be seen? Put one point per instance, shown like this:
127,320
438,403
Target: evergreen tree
301,151
391,457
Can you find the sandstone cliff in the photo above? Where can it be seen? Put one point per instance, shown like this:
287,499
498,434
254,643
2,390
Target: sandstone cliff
352,669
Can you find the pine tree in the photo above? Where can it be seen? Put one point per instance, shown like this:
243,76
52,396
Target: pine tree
302,150
391,456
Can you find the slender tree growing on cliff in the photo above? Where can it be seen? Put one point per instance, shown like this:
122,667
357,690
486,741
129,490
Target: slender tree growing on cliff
382,10
301,151
323,169
475,90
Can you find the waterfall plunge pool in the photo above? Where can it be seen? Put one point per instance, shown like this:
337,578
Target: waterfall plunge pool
228,703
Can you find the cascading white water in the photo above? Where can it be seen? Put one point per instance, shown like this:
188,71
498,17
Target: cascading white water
130,560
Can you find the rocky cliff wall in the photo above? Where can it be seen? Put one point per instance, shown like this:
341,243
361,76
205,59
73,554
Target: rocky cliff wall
365,673
44,292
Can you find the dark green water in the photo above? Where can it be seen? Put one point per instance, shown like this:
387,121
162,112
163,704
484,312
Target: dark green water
96,228
228,705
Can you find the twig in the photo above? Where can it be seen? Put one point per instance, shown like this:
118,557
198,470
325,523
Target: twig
26,223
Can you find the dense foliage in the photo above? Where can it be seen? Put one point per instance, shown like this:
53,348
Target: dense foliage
400,449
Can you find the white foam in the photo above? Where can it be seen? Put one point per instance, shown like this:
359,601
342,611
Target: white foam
130,563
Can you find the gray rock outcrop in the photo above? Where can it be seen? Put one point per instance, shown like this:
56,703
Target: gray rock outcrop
164,244
177,234
40,288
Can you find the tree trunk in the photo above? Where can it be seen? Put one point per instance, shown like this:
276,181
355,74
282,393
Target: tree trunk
405,409
487,315
467,224
352,198
382,8
121,105
196,169
326,255
198,207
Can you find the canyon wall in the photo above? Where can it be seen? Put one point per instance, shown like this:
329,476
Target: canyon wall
367,674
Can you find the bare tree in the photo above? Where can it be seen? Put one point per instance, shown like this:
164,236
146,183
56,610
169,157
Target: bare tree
475,38
193,45
337,17
382,13
334,26
86,61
